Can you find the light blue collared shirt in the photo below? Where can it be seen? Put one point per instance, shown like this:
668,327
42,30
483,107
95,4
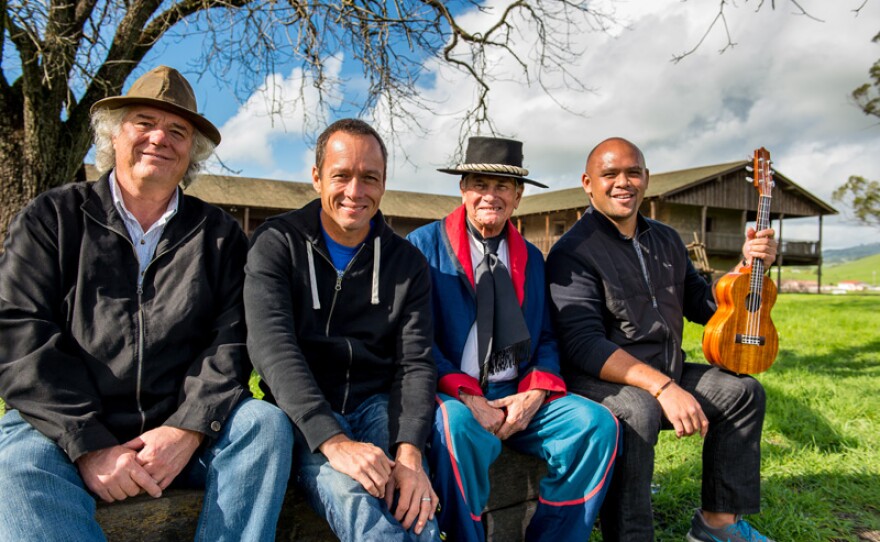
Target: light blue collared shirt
144,242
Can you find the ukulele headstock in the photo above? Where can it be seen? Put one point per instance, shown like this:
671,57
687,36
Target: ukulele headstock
763,179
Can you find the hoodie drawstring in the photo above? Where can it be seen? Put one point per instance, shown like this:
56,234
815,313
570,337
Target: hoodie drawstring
316,303
377,249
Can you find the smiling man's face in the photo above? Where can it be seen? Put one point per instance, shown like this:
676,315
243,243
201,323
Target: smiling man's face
152,147
490,200
351,183
616,180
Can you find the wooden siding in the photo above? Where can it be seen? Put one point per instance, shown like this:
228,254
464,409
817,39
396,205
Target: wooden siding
733,191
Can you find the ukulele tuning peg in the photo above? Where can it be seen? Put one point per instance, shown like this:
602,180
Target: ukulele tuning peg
750,169
750,180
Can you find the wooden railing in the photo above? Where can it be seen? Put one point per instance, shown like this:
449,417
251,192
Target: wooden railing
715,242
732,242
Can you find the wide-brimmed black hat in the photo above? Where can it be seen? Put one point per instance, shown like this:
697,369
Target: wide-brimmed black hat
167,89
493,156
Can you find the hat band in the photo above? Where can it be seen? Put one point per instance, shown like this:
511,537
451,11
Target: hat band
493,168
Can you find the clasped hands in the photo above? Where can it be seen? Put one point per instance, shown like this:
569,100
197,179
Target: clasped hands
148,463
505,416
381,477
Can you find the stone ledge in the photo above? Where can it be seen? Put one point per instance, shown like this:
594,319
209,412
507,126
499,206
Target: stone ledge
515,479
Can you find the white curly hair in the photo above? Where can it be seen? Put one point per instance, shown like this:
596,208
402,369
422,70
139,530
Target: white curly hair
106,124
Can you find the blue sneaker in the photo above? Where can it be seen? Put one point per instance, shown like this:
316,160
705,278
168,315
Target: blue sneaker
741,531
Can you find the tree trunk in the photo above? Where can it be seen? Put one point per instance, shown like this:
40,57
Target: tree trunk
14,192
35,157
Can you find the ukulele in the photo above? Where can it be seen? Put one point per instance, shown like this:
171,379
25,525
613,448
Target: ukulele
740,337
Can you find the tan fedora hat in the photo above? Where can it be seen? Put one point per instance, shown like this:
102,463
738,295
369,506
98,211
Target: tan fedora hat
167,89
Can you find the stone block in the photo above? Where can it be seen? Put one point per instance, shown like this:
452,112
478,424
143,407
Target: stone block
173,517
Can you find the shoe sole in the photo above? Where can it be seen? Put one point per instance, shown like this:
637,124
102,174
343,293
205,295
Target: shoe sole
690,538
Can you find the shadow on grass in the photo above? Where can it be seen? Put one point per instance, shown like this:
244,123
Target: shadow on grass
805,507
841,362
802,424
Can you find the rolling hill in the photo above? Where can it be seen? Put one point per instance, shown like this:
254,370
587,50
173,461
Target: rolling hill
866,270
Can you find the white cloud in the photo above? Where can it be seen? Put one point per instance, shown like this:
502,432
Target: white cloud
785,86
258,138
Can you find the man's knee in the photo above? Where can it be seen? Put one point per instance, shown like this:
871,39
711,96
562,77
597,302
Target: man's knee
639,413
754,394
592,420
262,424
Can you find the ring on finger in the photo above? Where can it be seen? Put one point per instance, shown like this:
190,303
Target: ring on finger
428,499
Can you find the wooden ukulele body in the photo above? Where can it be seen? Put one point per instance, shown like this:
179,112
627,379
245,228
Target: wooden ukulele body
741,337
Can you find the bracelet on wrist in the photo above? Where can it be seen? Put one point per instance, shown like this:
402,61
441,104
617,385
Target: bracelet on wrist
663,387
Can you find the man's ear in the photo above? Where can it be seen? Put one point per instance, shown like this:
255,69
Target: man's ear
316,179
585,181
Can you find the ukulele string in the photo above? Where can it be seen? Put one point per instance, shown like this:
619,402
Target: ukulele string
757,277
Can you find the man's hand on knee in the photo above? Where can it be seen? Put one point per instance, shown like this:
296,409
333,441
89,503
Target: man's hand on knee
114,474
417,501
165,451
490,418
683,411
364,462
519,410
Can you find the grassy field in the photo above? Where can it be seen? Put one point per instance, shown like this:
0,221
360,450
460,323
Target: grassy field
866,270
821,443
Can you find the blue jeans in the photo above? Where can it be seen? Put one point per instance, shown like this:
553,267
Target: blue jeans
353,514
244,474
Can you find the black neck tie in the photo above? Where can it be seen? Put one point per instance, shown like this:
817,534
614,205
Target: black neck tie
502,335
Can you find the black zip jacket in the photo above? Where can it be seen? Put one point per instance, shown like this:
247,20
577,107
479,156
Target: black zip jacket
90,360
609,292
325,343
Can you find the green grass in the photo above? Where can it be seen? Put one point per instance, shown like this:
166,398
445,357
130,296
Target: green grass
866,270
821,443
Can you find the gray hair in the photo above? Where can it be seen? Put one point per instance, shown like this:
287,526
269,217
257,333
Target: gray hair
107,123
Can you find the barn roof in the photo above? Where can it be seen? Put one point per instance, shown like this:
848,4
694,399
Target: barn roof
668,185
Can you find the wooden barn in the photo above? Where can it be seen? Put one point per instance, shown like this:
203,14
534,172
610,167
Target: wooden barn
709,206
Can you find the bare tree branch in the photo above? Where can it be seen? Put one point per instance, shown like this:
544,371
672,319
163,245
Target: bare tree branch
721,17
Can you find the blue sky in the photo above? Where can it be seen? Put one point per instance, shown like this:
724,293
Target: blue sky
784,86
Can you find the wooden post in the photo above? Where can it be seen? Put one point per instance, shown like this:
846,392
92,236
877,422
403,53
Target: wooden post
579,215
519,224
546,233
247,221
780,260
819,274
653,210
703,213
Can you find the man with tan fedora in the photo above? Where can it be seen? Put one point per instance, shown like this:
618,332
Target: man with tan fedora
497,361
122,339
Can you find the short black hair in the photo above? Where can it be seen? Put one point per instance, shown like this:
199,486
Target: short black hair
349,126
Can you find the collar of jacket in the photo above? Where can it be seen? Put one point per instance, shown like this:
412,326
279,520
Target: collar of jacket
308,223
605,224
99,205
456,232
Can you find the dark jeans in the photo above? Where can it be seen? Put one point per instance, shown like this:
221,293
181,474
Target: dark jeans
734,406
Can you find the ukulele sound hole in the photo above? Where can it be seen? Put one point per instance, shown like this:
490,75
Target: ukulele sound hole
753,302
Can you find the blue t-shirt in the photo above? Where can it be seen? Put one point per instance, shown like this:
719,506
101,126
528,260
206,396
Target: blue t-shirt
340,254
